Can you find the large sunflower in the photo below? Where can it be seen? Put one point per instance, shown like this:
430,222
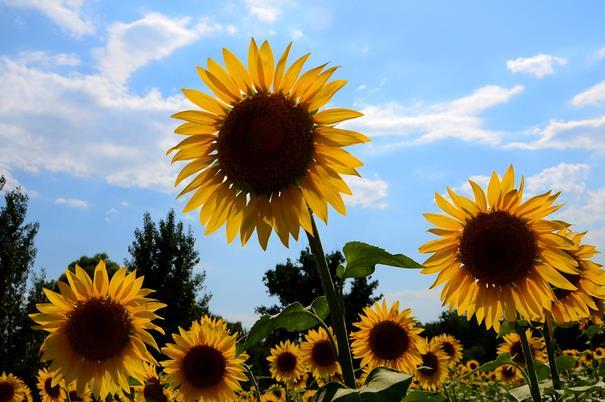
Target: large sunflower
51,387
432,370
512,346
98,329
451,347
285,362
572,305
203,363
318,353
497,255
387,337
11,388
262,152
509,374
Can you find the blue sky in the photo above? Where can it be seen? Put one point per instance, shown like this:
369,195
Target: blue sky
450,90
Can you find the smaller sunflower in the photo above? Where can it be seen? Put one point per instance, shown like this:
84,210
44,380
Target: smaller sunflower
512,346
274,394
203,363
492,376
153,388
308,395
286,364
451,347
571,352
586,360
432,371
51,386
599,353
472,365
301,383
509,374
74,396
318,354
387,337
11,388
27,393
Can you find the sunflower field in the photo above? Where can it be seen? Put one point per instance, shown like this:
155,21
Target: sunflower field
262,153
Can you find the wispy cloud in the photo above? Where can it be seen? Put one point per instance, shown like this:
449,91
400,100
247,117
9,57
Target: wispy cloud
265,10
367,193
593,96
72,202
538,66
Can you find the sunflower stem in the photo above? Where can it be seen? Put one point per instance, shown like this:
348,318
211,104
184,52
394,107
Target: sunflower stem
550,350
529,362
336,312
253,378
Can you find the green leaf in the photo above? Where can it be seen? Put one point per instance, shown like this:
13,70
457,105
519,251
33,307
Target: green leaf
601,369
585,388
362,259
424,396
293,318
382,385
542,370
593,330
565,362
505,328
133,382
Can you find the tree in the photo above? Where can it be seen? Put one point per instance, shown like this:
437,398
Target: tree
165,254
89,264
17,254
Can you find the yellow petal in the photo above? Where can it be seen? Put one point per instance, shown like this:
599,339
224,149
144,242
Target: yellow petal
204,101
267,60
325,94
237,70
281,68
332,116
292,73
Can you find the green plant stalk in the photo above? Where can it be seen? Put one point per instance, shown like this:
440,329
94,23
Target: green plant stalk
336,312
253,378
529,362
550,351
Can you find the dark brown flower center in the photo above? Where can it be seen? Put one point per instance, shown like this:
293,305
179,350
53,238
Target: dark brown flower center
286,362
430,363
508,372
388,340
498,248
99,328
74,397
154,391
448,348
473,365
563,293
517,351
204,366
322,354
276,392
265,143
7,391
53,392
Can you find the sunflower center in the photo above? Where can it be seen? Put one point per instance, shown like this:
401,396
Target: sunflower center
286,362
563,293
498,248
99,328
473,365
204,366
322,354
53,392
517,351
74,397
265,143
448,348
7,391
508,372
154,391
430,363
388,340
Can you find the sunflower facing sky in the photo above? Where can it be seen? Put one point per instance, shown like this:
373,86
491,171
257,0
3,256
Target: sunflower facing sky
51,387
262,152
203,363
451,347
512,346
572,305
387,337
285,363
98,329
496,254
318,354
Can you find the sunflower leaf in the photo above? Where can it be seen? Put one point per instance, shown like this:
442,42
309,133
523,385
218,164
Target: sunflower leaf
294,317
542,370
565,363
423,396
362,259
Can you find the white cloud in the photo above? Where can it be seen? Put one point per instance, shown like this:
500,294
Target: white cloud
110,214
44,59
601,53
67,14
572,134
265,10
593,96
459,118
538,66
153,37
296,34
367,193
72,202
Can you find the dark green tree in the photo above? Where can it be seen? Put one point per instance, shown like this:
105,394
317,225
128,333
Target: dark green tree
89,264
165,254
17,254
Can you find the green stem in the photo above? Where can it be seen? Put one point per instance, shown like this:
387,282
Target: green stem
529,362
253,378
336,312
550,350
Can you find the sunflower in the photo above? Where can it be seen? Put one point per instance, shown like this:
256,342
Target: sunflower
512,346
11,388
497,255
203,363
451,347
387,337
275,393
509,374
51,386
572,305
308,395
285,362
318,354
471,365
599,353
301,383
74,396
153,388
98,329
570,352
27,393
586,359
262,152
432,371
